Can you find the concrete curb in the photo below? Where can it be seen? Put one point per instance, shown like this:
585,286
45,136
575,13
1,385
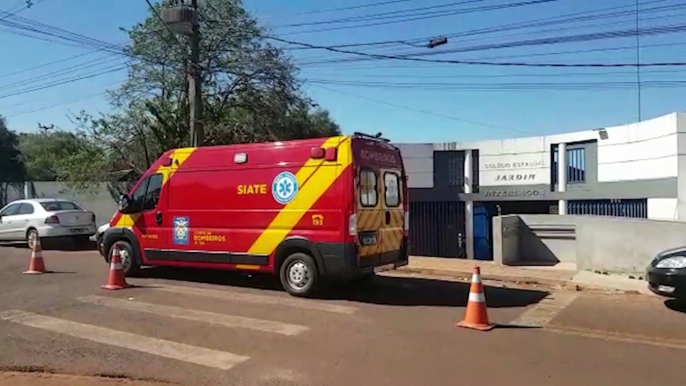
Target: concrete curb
522,279
488,276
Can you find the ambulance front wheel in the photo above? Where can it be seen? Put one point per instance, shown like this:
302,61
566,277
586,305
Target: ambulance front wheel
299,275
129,261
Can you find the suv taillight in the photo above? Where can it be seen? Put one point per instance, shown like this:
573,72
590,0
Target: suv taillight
52,220
352,225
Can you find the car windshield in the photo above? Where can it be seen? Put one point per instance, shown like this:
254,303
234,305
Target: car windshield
54,206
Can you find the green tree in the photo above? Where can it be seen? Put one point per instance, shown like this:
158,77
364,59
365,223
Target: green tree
250,94
46,152
12,171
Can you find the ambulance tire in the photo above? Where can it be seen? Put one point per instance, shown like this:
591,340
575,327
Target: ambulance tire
130,262
299,275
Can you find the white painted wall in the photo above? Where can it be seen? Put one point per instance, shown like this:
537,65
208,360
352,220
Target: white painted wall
419,164
639,151
663,209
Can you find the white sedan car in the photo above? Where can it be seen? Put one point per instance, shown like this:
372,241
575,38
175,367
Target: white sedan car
45,218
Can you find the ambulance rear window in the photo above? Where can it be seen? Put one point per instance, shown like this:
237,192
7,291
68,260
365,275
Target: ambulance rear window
369,196
391,187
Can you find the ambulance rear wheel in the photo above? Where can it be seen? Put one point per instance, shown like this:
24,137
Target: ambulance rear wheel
299,275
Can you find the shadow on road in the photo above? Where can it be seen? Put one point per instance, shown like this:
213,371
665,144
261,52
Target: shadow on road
232,278
384,290
415,291
56,245
676,305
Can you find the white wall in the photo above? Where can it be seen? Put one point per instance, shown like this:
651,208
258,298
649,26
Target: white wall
663,209
419,164
645,150
639,151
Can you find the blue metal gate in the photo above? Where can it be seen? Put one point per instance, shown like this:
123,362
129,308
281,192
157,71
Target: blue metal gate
482,233
637,208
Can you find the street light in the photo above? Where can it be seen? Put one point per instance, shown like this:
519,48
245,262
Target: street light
435,42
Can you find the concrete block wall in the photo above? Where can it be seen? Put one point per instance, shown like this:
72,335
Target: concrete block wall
99,200
613,244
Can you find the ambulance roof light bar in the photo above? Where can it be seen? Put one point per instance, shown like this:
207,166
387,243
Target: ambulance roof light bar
377,136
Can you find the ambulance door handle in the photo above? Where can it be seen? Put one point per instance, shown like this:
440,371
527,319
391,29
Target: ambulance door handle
158,218
388,217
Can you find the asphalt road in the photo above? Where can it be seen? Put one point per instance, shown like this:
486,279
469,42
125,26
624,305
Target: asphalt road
217,328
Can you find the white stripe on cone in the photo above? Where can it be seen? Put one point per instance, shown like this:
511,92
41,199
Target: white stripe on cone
477,297
476,278
116,267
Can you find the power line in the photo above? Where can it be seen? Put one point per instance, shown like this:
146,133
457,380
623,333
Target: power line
425,112
63,35
638,62
377,16
481,63
337,75
350,8
28,5
540,41
82,98
428,16
501,87
604,35
49,64
68,70
67,81
560,19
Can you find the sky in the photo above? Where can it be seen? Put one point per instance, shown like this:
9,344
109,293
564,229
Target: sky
407,101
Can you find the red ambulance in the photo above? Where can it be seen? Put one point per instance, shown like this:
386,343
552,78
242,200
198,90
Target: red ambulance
308,210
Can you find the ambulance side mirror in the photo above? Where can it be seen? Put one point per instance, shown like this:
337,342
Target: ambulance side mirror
124,203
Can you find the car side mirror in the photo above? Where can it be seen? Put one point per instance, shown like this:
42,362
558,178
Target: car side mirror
124,203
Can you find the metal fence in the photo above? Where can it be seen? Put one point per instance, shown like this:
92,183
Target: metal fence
636,208
437,229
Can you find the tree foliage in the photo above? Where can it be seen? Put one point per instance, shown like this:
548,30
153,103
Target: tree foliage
47,152
11,161
249,87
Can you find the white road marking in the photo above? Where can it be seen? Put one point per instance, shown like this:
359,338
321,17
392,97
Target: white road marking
197,316
254,298
163,348
546,310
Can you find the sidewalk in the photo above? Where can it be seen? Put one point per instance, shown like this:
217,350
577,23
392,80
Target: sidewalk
9,378
560,275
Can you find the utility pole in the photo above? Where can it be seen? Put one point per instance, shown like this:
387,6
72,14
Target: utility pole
194,91
183,19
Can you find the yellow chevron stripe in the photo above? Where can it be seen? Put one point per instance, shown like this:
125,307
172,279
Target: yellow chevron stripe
320,179
178,156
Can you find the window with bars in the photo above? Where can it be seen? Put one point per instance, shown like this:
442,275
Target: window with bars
449,169
576,164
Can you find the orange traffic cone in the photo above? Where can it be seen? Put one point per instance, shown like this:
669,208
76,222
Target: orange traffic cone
37,265
476,316
116,279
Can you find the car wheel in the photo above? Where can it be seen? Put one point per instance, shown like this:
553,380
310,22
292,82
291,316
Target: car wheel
31,237
299,275
129,261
